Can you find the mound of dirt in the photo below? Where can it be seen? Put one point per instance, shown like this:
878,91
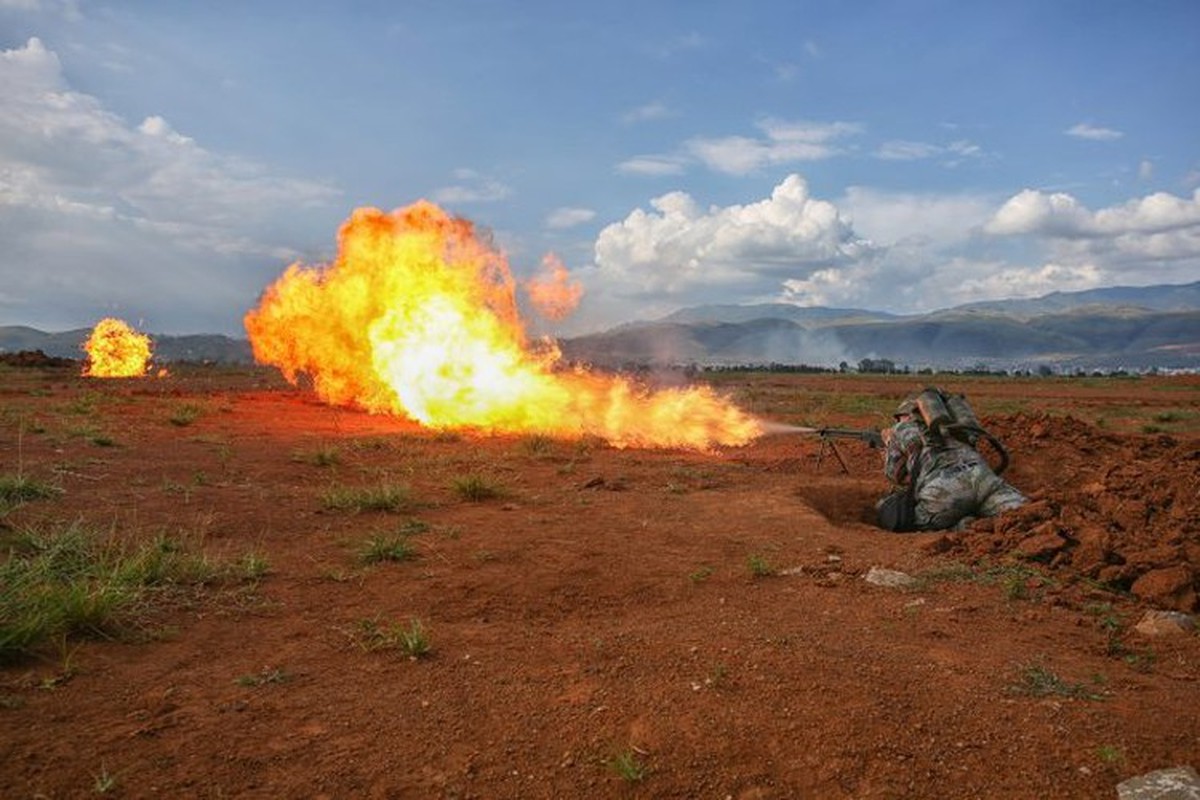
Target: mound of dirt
1120,510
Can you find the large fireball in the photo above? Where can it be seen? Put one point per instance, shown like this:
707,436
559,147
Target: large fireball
115,350
417,316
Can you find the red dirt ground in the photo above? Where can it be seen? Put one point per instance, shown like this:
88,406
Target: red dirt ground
605,604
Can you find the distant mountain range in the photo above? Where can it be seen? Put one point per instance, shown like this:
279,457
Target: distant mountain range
69,344
1122,327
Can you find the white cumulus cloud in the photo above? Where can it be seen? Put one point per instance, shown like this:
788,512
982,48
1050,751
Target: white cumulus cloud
645,113
472,187
1151,239
888,217
950,155
561,218
95,211
689,253
1006,280
1061,215
783,142
652,165
871,248
1092,132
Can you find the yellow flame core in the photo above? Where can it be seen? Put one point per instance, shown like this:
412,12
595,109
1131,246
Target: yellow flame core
115,350
416,316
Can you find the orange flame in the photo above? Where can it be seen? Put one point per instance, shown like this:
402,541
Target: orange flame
116,350
552,293
416,316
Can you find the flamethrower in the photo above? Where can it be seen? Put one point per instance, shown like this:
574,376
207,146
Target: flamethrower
871,436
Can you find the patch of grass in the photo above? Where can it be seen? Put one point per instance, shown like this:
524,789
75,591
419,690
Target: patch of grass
324,456
104,781
83,405
700,575
17,489
1016,580
184,414
686,478
385,497
1106,615
386,547
1036,680
266,676
476,488
253,566
537,445
628,766
412,527
717,676
376,443
173,487
759,566
412,641
72,581
1140,660
1110,754
11,701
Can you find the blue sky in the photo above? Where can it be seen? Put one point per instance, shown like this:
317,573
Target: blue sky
164,161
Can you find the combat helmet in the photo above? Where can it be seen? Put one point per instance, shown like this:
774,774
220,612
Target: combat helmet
906,408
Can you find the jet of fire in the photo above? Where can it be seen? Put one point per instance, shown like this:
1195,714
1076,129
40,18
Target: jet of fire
417,316
115,350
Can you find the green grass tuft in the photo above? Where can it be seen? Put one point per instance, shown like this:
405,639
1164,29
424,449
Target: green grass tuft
386,547
72,581
319,457
18,489
412,641
184,414
262,678
104,782
385,497
628,766
759,566
476,488
1036,680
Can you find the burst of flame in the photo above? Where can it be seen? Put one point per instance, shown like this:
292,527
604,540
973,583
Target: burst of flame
115,350
417,316
552,292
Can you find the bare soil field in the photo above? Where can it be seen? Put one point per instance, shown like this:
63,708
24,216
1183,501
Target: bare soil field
432,614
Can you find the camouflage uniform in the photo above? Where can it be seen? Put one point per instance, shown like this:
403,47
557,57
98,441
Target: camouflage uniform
954,481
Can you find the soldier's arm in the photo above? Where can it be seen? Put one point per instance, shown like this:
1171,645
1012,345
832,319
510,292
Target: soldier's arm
903,444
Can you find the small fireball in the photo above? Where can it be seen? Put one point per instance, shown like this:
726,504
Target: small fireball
115,350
